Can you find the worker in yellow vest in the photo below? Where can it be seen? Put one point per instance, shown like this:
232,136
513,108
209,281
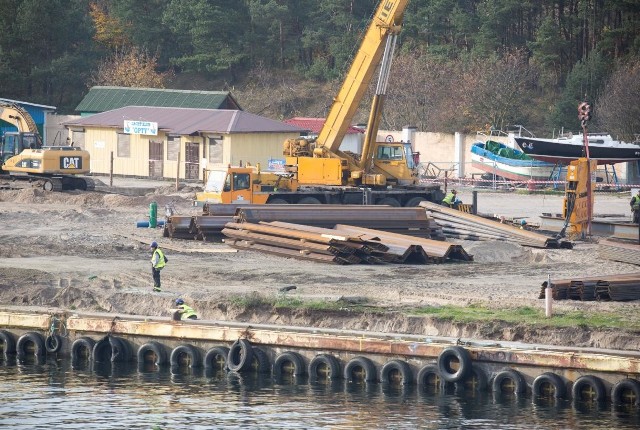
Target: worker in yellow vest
451,200
635,207
158,261
185,312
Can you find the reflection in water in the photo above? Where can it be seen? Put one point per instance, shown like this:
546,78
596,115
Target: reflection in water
55,394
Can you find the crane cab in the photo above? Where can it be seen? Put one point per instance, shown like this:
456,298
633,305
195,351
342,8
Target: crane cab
395,160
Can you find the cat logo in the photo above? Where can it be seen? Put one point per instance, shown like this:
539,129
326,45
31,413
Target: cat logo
70,163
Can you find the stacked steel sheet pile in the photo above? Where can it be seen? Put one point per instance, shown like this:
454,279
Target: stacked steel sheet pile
610,287
343,245
408,221
180,227
619,251
459,225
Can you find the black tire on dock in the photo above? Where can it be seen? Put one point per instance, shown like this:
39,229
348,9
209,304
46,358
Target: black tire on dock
111,349
30,343
626,392
458,356
288,364
325,367
185,356
240,355
7,343
429,376
588,388
360,369
53,343
396,372
260,362
82,350
509,381
216,358
476,381
152,352
549,385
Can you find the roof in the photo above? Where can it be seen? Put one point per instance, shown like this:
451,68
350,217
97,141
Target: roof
186,121
20,102
102,99
315,125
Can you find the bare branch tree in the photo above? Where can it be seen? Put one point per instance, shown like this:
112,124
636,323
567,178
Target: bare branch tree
617,109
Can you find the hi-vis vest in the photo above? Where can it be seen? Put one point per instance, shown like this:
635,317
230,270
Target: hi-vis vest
636,203
187,311
161,262
449,198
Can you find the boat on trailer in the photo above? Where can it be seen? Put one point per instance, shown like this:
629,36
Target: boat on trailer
564,149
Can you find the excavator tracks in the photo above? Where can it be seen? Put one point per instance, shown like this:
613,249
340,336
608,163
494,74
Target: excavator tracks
60,183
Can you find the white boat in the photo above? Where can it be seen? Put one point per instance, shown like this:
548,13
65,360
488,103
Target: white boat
500,160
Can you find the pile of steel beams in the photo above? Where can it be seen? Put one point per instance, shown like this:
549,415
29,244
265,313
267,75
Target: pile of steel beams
208,226
408,221
342,245
459,225
619,251
605,288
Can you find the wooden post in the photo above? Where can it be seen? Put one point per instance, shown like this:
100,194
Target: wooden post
548,299
111,170
178,172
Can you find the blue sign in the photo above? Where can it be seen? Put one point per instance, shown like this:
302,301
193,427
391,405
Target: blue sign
276,165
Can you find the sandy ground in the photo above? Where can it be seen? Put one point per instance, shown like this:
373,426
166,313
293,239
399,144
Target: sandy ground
83,251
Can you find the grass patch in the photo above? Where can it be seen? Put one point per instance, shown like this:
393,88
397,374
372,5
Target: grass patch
474,313
529,315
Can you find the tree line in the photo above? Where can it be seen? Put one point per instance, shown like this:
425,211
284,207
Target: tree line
461,65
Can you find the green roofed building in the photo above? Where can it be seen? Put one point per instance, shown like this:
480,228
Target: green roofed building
102,99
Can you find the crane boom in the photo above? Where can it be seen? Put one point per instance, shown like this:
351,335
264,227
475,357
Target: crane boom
387,20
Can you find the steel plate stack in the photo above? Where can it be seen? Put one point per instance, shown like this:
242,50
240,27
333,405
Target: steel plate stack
605,287
619,251
459,225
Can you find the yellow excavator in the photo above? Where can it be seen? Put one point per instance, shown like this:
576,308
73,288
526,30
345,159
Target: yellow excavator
23,156
316,171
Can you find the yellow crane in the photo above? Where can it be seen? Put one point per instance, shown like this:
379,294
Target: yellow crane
316,170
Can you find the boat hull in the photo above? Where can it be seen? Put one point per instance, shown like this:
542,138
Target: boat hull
513,169
563,151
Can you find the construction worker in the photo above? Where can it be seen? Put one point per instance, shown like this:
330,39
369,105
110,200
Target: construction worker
451,200
158,261
184,311
635,207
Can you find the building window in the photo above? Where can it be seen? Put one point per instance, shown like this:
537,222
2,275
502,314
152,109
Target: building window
173,147
215,151
124,145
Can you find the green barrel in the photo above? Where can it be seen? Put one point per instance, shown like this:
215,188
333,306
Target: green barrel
153,215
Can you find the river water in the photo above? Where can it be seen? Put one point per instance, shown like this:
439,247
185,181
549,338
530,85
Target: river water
55,395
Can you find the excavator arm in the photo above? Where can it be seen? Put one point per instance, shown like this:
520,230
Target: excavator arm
18,116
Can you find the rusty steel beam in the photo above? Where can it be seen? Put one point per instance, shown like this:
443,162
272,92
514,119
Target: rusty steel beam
433,248
284,252
297,244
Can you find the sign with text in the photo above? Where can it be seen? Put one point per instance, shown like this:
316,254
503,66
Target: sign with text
141,127
276,165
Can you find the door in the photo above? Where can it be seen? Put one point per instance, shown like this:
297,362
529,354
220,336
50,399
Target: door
156,155
192,160
241,192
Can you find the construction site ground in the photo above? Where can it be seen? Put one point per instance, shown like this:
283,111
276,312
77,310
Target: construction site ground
82,251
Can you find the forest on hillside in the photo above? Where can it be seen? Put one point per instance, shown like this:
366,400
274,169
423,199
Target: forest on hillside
461,65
